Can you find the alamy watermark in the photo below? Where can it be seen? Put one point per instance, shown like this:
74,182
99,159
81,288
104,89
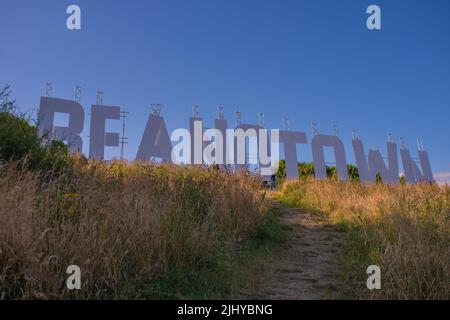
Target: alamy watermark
73,21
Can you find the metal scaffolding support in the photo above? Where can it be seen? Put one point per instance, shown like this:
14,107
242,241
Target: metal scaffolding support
402,143
335,129
287,124
238,118
99,98
420,146
78,94
123,139
156,108
195,111
261,121
220,112
390,137
48,89
314,128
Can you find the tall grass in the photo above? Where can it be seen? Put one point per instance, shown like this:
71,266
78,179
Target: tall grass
123,224
402,228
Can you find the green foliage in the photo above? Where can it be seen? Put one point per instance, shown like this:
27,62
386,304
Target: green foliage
5,104
332,173
281,174
57,157
306,169
402,180
353,173
19,140
378,178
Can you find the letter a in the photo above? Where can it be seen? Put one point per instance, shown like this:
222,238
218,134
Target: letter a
374,20
74,20
374,279
74,280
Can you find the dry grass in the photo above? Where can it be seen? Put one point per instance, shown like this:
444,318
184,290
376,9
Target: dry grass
123,224
402,228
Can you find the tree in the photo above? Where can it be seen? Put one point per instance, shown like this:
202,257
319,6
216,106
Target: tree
305,170
5,104
353,173
18,139
281,174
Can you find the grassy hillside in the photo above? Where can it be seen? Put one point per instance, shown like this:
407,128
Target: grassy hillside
135,230
144,230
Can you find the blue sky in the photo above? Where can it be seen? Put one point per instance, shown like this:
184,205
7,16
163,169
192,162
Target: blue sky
307,60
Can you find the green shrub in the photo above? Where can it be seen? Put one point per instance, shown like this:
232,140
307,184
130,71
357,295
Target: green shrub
19,140
306,170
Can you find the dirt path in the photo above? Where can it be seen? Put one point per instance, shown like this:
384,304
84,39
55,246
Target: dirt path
306,268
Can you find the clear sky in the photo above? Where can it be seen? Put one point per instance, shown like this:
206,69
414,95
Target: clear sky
309,60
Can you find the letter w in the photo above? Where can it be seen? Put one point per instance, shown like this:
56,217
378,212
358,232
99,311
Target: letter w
375,164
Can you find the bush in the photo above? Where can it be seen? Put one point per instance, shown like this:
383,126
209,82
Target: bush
19,140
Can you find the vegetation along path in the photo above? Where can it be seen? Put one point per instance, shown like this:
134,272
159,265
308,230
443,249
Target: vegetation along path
307,268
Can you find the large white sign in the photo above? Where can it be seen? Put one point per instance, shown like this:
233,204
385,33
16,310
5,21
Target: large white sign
223,146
